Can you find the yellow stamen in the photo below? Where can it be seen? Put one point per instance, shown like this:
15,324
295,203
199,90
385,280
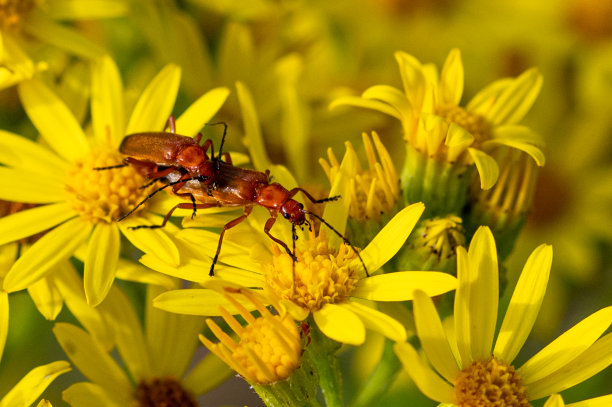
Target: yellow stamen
163,392
268,348
475,124
103,195
488,383
322,274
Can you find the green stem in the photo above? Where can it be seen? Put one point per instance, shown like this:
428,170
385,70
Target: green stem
381,378
322,352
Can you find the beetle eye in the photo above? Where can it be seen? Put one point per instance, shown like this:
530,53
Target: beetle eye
286,215
301,206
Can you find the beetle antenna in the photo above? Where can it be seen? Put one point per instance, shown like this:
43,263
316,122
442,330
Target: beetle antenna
199,178
112,167
293,238
220,153
344,239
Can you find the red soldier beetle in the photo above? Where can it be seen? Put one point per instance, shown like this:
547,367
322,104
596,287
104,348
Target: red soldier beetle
215,183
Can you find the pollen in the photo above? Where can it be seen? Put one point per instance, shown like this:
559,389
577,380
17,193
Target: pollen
490,383
321,274
264,351
162,392
103,195
474,123
373,191
12,12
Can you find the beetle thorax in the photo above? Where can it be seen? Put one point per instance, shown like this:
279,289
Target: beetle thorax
191,158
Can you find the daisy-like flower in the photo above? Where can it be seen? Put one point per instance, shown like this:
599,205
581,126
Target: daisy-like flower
25,22
156,358
436,127
266,351
79,205
31,386
470,368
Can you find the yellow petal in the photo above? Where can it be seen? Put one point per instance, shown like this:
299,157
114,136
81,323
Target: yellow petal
377,321
516,100
127,270
367,104
31,386
519,137
91,359
392,97
128,334
392,237
252,129
590,362
484,291
18,185
165,330
430,384
488,170
340,324
57,245
19,152
195,301
524,305
400,286
567,347
413,79
46,297
4,320
433,337
603,401
85,394
554,401
156,102
55,122
150,240
70,285
451,79
101,262
59,35
32,221
91,10
207,375
107,110
200,112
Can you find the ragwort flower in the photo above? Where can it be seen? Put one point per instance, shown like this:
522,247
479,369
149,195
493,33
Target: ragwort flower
467,372
155,356
31,386
79,205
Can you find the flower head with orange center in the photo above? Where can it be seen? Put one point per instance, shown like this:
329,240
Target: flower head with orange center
473,370
77,203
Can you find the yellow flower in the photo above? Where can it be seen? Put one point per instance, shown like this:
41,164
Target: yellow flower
155,358
27,22
79,205
268,348
470,368
31,386
328,276
437,127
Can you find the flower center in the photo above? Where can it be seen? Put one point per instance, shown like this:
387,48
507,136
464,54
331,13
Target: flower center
490,383
163,392
474,123
103,195
262,338
322,274
13,11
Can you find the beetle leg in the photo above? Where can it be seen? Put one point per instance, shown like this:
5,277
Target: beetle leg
171,124
268,226
167,217
209,144
228,225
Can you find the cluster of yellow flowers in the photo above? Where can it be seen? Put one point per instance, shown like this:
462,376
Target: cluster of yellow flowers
158,231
